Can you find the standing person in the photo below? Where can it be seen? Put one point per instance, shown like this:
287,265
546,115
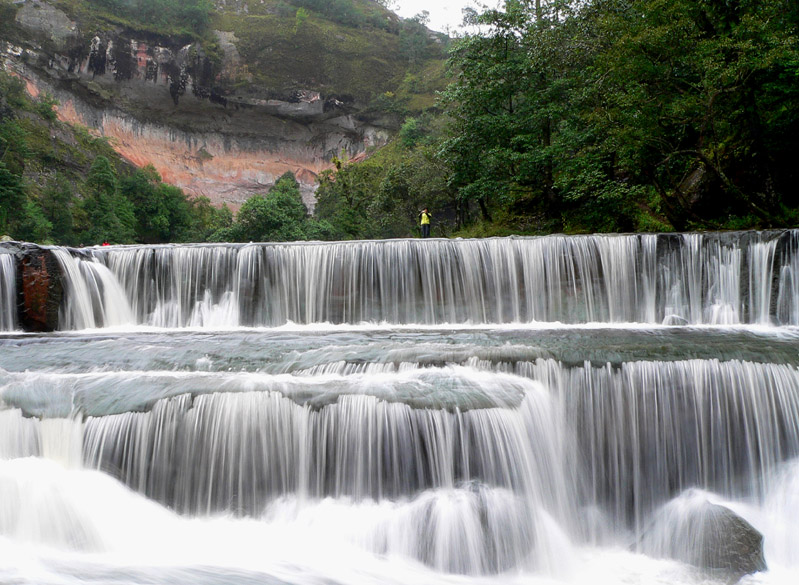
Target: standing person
424,221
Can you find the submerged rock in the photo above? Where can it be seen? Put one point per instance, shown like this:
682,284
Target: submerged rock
694,530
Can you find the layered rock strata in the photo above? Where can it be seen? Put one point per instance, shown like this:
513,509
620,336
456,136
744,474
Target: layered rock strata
173,107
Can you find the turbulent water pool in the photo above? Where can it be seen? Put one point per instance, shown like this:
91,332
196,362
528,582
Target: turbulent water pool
542,410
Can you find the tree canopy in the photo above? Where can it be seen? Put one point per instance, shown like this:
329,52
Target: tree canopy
620,114
278,216
607,115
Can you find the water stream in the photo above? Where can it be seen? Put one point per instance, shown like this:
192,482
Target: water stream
531,410
8,293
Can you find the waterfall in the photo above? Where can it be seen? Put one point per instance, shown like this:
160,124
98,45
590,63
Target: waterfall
713,279
239,451
382,444
636,434
19,436
680,279
646,431
93,297
8,292
788,290
761,268
652,429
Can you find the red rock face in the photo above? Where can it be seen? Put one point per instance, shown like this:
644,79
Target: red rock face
215,165
201,123
41,291
223,146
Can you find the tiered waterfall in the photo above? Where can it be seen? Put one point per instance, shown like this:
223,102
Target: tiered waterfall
533,409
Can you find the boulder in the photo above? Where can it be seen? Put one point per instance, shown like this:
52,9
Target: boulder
694,530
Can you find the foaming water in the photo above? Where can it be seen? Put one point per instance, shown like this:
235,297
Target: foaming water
781,510
61,526
471,530
437,459
65,526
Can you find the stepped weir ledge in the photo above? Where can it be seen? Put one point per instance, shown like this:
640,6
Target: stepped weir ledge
558,409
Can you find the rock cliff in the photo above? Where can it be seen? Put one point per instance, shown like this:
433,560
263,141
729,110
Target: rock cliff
208,119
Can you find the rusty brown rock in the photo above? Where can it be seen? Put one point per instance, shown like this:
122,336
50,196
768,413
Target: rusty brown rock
40,289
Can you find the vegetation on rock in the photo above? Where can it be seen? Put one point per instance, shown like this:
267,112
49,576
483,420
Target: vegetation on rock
60,184
65,185
278,216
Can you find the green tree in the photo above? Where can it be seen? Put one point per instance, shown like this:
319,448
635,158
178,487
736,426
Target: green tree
57,203
299,18
209,224
699,104
500,133
21,217
418,181
614,114
45,107
32,225
413,38
410,132
345,199
278,216
12,200
110,216
163,213
14,149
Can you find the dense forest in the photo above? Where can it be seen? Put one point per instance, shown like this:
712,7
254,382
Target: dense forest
574,116
610,115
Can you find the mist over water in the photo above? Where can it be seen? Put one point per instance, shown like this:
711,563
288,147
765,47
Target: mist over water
532,410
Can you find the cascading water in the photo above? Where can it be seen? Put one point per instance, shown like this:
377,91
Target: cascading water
407,412
681,279
8,292
93,296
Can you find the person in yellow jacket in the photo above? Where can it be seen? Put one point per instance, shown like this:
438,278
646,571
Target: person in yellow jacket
424,221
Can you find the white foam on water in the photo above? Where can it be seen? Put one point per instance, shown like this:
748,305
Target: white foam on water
786,332
377,464
63,526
